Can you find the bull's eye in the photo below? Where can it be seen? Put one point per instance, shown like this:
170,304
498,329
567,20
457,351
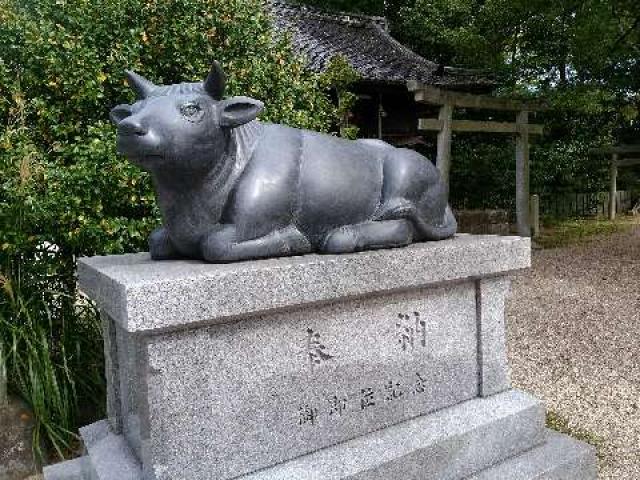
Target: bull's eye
191,111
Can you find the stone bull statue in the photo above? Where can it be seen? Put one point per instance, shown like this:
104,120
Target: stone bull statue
233,188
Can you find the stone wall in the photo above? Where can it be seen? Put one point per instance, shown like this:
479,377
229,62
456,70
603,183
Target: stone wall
483,222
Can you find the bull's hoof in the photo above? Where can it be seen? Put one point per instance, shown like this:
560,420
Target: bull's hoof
368,236
217,247
341,240
160,246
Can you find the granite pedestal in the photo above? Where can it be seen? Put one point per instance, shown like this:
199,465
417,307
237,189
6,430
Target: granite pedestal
387,364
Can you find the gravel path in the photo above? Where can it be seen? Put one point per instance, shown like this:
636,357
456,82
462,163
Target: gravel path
574,341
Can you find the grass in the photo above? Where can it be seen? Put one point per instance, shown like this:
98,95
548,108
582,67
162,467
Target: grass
53,356
565,233
560,424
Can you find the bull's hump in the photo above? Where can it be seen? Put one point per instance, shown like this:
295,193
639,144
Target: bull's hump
340,181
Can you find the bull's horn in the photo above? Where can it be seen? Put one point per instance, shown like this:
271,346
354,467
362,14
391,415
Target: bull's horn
139,84
215,82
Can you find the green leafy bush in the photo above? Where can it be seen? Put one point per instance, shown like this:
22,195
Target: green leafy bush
52,344
63,191
484,176
338,77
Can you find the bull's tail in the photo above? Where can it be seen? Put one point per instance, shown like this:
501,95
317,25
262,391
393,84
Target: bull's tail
425,230
436,231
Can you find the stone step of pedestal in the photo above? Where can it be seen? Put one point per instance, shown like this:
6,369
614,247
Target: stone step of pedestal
75,469
447,445
109,457
450,444
559,458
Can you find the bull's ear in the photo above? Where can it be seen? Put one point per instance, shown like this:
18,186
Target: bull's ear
119,113
215,82
236,111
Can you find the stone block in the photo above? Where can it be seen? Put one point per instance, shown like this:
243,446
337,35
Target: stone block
277,386
109,456
559,458
497,438
143,295
226,369
381,364
75,469
492,348
450,444
377,365
16,437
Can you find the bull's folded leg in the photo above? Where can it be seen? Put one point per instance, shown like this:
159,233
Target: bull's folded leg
223,246
160,245
369,235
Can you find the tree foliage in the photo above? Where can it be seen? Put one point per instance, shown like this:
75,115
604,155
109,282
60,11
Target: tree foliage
539,45
367,7
65,193
581,56
338,78
62,71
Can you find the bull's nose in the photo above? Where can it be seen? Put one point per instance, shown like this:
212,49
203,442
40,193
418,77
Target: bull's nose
131,126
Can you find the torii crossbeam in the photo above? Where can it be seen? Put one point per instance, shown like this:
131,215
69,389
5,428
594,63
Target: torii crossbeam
445,125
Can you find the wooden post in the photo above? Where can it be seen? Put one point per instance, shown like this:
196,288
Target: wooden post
535,215
4,399
443,160
447,100
522,174
613,190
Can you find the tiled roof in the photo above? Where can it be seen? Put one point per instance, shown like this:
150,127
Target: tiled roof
367,45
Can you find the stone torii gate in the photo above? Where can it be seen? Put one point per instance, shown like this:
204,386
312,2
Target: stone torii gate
445,125
620,156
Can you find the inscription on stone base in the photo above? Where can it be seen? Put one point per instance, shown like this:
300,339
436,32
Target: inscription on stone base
275,387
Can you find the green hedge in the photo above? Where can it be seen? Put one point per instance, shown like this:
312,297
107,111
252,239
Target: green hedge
63,191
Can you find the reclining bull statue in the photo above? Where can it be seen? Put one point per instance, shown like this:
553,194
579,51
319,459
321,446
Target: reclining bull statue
233,188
